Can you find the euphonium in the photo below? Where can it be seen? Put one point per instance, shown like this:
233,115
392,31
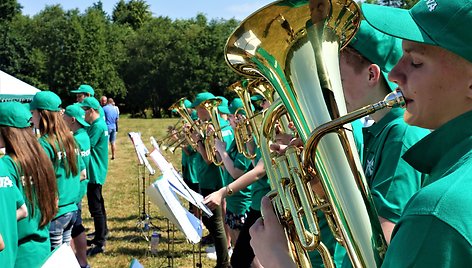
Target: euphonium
211,106
179,106
297,52
262,87
246,127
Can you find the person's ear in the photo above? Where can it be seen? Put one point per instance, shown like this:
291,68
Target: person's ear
374,74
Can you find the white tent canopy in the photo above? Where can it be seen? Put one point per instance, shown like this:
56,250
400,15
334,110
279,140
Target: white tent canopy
12,88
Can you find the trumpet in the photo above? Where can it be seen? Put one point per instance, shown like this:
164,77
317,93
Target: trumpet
211,106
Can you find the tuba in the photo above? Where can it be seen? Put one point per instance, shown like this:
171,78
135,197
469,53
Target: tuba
296,48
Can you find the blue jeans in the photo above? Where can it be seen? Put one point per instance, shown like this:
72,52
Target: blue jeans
60,229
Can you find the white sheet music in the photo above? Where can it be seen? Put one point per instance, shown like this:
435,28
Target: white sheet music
177,183
63,256
161,194
141,150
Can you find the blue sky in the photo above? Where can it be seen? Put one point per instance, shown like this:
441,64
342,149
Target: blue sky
174,8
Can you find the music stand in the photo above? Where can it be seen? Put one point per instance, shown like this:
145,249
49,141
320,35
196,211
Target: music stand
144,170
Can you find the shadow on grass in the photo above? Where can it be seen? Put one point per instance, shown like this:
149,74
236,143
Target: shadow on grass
163,253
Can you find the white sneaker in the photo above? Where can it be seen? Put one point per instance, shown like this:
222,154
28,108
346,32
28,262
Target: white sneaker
210,249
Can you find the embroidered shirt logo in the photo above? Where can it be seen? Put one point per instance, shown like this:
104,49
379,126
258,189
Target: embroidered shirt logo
5,182
369,169
431,5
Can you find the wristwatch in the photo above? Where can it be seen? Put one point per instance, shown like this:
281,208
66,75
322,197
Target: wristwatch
229,191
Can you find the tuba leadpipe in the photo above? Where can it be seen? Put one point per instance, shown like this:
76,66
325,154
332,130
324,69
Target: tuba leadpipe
297,52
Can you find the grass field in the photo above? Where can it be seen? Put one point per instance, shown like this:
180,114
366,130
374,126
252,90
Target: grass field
121,201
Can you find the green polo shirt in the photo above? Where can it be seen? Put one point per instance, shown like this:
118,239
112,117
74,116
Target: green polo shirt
33,242
10,200
239,202
68,186
392,181
260,187
83,142
192,167
435,229
98,168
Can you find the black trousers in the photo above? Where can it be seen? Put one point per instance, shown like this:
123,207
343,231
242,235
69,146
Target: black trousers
215,226
97,210
242,253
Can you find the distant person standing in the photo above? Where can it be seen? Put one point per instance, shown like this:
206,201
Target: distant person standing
111,118
103,101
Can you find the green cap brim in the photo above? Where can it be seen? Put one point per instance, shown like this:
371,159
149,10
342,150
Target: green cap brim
82,121
224,109
380,17
256,98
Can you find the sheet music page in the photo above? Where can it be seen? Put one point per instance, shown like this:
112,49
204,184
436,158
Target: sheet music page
177,183
141,150
161,194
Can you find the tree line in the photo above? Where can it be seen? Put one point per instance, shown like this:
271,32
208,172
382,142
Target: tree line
144,62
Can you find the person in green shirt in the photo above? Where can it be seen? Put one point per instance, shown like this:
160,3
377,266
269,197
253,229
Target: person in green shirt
59,145
256,178
435,76
364,66
235,165
12,209
25,158
74,116
210,179
97,172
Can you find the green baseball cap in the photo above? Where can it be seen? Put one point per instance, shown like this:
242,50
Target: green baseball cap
443,23
84,89
201,97
223,107
237,103
90,102
187,103
14,114
379,48
76,111
46,100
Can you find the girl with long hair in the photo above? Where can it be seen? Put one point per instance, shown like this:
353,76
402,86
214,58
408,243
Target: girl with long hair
28,166
58,143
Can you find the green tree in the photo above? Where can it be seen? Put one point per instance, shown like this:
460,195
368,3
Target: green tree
8,10
133,13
